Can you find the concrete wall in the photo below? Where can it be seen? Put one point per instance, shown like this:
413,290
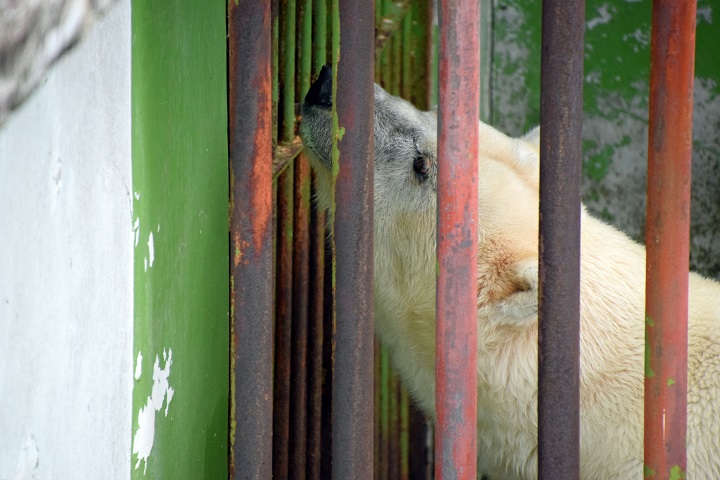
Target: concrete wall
66,267
617,69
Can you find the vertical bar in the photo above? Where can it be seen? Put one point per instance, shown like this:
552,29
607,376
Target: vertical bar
301,272
284,281
560,174
317,270
315,344
404,434
384,413
250,117
328,359
667,237
353,382
283,324
287,53
300,296
456,340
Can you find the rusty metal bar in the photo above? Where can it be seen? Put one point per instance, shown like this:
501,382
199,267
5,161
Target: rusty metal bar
328,356
250,117
300,298
667,237
283,324
456,340
353,382
301,270
315,344
560,174
317,278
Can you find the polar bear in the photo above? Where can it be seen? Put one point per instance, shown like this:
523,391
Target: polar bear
612,299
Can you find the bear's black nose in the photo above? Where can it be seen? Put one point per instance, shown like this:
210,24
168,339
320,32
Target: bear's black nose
320,92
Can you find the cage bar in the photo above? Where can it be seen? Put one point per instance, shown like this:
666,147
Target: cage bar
456,341
250,92
353,232
667,237
560,175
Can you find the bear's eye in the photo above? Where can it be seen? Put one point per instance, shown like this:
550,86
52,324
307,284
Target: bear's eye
421,167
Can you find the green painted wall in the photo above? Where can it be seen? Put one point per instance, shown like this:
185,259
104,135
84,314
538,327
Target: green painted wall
617,67
180,189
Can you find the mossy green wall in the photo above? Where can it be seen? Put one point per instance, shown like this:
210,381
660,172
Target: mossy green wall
180,195
617,68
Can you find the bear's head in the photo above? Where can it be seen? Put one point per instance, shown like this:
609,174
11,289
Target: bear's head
405,207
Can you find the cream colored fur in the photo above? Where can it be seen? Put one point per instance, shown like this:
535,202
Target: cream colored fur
612,314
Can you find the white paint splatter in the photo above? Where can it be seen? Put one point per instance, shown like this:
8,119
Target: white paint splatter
146,264
137,196
145,434
151,248
604,17
136,229
704,14
138,366
158,228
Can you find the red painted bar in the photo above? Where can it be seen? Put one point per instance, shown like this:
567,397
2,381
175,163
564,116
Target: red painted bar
250,117
456,341
352,407
561,87
667,236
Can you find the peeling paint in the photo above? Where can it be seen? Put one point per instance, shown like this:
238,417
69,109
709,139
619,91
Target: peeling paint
136,229
138,366
151,249
161,390
704,14
604,16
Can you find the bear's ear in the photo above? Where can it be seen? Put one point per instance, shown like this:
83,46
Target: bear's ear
519,306
532,138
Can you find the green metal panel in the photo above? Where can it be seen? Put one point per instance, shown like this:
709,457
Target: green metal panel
180,210
617,67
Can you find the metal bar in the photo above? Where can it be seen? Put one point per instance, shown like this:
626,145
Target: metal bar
316,273
317,279
320,22
384,414
287,55
394,439
301,272
283,324
353,382
377,390
404,434
667,237
300,298
456,339
560,174
250,117
328,356
315,343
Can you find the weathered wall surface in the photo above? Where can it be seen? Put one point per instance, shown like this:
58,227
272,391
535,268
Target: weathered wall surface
180,198
33,35
617,68
66,261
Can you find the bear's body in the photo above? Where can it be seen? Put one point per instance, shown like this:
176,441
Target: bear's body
612,302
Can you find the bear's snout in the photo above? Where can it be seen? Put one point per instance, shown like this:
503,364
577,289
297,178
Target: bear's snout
320,92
